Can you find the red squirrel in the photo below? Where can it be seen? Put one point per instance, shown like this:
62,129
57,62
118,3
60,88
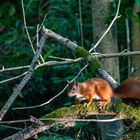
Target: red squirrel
97,88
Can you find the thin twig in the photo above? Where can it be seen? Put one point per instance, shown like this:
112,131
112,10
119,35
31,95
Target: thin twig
13,78
79,73
25,25
81,23
118,54
27,32
82,120
60,58
36,106
134,70
50,63
114,19
10,127
98,55
68,119
128,44
39,28
14,68
15,121
68,61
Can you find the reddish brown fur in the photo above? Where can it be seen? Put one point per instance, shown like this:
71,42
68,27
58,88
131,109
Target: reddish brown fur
92,87
130,88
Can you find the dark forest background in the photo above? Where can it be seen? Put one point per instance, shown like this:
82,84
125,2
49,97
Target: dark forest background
63,17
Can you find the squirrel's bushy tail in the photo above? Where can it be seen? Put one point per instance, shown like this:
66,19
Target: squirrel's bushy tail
129,88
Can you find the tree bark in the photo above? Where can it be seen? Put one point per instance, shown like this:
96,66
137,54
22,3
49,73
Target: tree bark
136,42
100,11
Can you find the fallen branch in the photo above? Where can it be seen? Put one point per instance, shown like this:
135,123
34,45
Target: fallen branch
92,59
24,80
71,45
79,51
102,73
40,126
28,132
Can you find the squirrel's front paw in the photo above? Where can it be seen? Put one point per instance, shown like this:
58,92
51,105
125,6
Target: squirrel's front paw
86,104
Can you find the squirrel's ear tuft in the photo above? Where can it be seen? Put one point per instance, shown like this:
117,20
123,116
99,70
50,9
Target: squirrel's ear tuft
76,83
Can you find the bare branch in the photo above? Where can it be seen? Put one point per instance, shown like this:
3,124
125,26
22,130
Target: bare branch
102,73
10,127
36,121
39,121
59,58
28,132
67,60
40,127
15,121
25,25
50,63
27,32
24,80
14,68
60,39
118,54
13,78
36,106
83,120
109,27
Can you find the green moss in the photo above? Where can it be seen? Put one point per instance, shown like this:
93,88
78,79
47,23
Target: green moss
120,109
76,111
129,111
73,111
92,60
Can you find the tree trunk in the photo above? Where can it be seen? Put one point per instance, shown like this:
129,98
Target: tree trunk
136,42
100,11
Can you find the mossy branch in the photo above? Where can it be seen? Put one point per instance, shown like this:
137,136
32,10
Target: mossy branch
79,51
118,110
90,58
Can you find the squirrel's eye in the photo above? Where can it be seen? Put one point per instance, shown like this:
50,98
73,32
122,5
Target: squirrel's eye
73,88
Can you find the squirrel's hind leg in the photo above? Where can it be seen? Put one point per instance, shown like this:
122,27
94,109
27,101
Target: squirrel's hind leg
102,104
